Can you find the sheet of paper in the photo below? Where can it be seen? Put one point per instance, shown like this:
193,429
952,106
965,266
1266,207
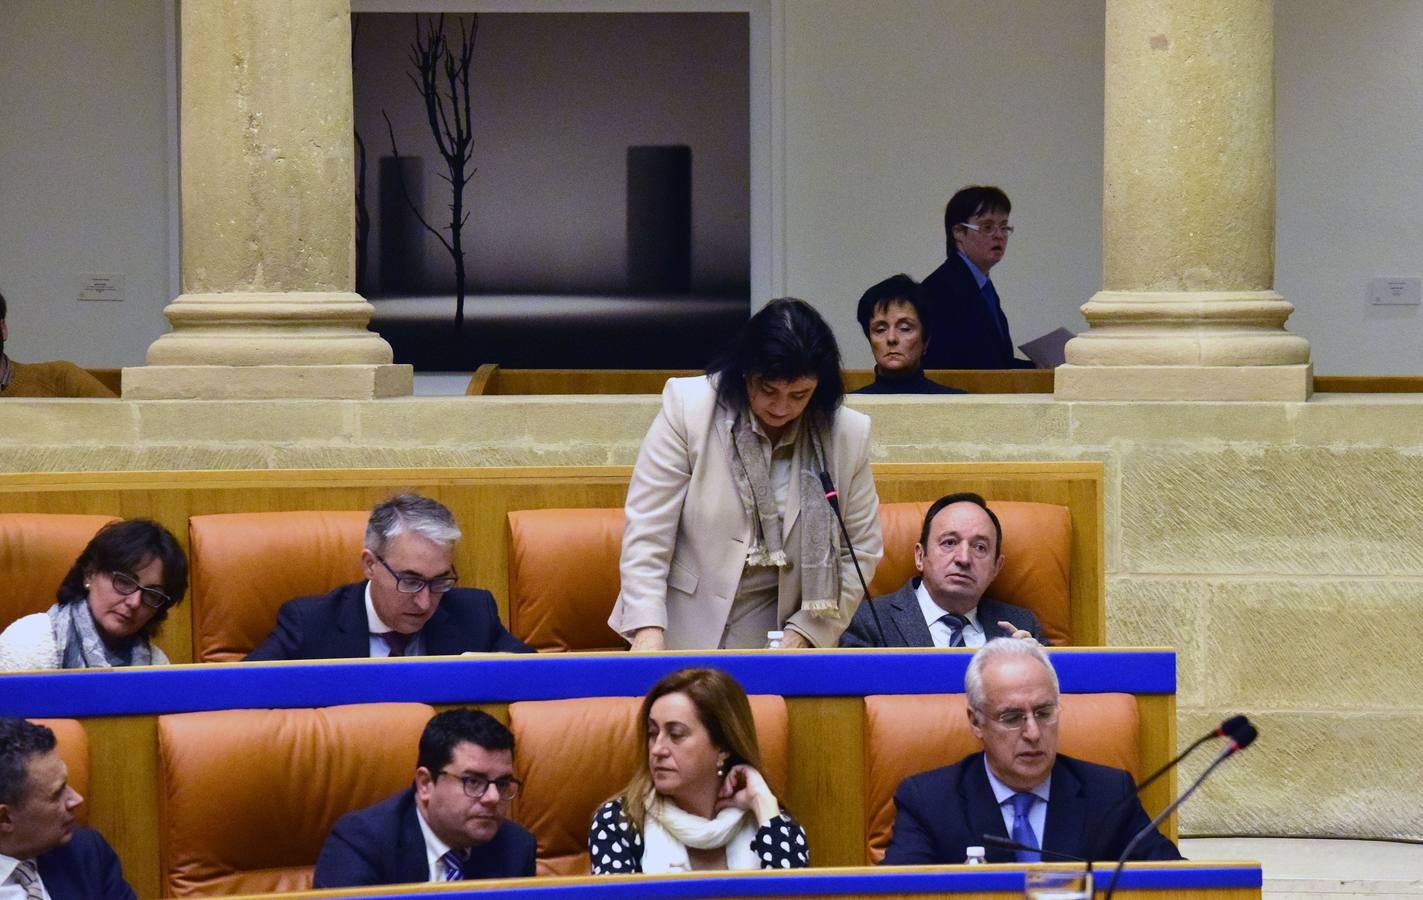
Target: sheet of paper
1048,351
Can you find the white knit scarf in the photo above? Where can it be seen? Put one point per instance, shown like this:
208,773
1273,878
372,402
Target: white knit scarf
668,830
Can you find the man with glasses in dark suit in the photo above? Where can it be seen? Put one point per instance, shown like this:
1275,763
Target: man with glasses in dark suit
450,825
1018,787
961,304
44,852
407,606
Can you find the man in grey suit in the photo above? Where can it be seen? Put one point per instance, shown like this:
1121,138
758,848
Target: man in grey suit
960,552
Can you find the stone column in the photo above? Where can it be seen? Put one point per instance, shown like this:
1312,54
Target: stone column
268,213
1187,309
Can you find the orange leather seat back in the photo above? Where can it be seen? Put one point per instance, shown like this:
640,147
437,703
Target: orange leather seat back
1037,546
73,747
244,566
906,734
574,754
36,552
248,796
563,577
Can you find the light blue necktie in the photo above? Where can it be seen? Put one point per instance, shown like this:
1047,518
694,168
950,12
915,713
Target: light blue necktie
1023,829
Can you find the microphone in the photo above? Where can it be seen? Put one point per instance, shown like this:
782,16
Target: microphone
1002,843
1228,728
1243,737
832,497
993,840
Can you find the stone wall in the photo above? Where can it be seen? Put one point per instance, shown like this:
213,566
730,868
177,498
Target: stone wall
1277,546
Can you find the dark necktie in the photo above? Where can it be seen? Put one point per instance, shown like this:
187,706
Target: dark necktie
453,865
397,642
1023,829
995,309
957,624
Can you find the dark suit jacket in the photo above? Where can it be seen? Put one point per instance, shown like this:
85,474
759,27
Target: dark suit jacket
1092,813
382,844
902,619
333,626
962,331
86,868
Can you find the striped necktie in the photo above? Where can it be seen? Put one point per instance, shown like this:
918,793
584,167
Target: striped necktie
27,876
957,624
454,866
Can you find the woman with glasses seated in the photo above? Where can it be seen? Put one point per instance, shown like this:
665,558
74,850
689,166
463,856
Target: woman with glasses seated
112,601
698,800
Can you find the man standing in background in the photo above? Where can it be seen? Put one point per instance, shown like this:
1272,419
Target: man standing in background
961,304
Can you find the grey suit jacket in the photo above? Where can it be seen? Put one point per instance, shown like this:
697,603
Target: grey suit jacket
904,623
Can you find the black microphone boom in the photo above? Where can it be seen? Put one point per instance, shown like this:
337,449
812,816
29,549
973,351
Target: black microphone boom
1228,728
1243,737
832,497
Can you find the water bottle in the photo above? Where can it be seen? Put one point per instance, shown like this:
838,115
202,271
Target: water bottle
773,639
976,856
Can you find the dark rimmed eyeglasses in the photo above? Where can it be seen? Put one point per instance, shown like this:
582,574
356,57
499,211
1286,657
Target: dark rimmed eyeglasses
414,584
476,785
126,584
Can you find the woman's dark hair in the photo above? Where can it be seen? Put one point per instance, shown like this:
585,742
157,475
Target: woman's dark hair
127,547
785,340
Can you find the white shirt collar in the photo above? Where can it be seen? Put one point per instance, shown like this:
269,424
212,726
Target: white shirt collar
8,885
435,848
374,624
1003,793
933,612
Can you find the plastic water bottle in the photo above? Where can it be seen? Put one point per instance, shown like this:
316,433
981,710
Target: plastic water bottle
773,639
976,856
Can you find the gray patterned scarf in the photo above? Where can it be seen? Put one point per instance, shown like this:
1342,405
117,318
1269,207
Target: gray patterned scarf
819,556
76,638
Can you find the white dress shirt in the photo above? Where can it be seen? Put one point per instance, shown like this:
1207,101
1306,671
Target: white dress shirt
377,627
941,632
1037,817
10,888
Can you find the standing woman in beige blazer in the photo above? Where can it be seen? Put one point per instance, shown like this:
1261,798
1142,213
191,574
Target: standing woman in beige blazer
729,534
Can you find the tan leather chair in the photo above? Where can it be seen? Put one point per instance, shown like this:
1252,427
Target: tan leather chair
72,744
1037,544
906,734
574,754
248,796
563,577
36,552
244,566
563,569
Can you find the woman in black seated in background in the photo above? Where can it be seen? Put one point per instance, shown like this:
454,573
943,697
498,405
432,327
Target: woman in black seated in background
113,599
698,801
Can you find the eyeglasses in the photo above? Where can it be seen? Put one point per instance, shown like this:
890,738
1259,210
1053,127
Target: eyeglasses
1015,719
1005,230
412,584
476,785
126,584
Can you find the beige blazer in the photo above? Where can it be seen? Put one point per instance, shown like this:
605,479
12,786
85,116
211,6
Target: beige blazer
684,547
